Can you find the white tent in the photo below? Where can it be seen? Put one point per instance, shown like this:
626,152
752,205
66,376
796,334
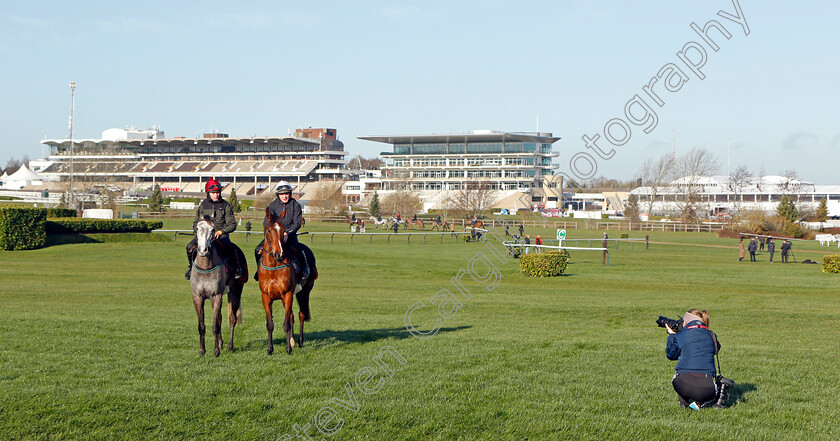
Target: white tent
21,178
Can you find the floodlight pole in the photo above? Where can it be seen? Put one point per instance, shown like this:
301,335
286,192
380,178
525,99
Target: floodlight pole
72,107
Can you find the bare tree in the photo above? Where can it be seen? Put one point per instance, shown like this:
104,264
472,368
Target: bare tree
654,174
736,183
695,168
403,201
327,199
14,164
473,199
360,162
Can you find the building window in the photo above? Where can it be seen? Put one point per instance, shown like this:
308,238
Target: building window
430,149
484,147
457,148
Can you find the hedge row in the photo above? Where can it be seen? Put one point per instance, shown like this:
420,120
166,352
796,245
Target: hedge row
22,228
550,264
831,263
60,212
83,226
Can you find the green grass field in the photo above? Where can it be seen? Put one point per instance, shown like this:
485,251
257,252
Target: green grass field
100,342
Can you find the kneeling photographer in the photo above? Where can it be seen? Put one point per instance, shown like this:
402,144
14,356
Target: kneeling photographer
694,346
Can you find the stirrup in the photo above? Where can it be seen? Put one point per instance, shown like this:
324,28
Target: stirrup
187,275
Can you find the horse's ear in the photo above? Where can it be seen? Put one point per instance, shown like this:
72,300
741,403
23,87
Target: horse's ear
268,214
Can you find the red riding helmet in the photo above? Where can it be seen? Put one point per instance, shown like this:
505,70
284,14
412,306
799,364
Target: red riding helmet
212,185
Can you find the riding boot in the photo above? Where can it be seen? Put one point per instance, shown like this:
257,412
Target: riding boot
234,263
304,267
257,258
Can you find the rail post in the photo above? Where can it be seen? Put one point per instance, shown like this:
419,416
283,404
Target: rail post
647,241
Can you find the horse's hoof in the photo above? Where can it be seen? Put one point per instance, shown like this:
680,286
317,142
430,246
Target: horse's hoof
230,348
217,352
289,350
270,351
201,352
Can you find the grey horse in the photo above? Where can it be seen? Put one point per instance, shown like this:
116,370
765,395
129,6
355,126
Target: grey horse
210,279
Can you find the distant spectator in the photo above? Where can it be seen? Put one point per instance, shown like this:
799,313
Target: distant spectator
507,229
786,246
527,243
771,247
760,243
752,247
742,252
538,241
521,230
396,227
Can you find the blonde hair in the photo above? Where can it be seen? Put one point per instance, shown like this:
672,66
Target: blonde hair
704,315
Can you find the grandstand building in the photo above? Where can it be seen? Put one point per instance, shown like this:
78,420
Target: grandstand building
717,195
508,163
140,159
505,161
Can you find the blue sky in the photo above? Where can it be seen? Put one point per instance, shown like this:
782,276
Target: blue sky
392,67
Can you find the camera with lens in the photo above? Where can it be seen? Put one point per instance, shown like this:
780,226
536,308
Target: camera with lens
675,325
723,384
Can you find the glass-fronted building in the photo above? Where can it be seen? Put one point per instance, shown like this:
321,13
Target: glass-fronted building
502,160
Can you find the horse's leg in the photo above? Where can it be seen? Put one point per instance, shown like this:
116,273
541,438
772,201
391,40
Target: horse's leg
303,306
269,322
234,310
217,324
198,302
288,321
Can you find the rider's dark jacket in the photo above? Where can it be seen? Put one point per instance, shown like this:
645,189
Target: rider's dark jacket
220,211
291,220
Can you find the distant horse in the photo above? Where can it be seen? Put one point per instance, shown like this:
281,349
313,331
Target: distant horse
352,221
418,222
278,281
444,226
379,223
477,224
210,279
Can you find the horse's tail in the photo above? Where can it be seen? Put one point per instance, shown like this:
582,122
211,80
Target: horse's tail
303,301
235,303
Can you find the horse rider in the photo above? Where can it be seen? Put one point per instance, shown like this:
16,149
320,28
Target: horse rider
224,223
379,217
475,220
414,219
291,222
353,219
399,217
438,221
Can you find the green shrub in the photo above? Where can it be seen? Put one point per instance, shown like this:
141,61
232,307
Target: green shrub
605,216
83,226
831,263
625,235
22,228
60,212
548,264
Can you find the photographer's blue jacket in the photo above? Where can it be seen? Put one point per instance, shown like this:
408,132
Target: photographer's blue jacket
694,348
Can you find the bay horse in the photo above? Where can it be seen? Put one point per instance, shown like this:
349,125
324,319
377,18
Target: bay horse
418,222
210,278
278,281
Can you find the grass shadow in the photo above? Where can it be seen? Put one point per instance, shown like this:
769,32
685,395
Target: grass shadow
738,392
63,239
330,337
